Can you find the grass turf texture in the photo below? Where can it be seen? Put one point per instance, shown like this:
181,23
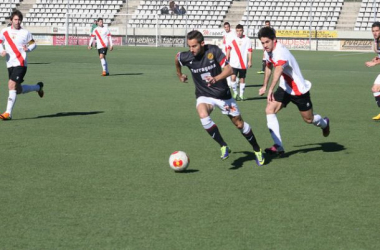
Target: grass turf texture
86,167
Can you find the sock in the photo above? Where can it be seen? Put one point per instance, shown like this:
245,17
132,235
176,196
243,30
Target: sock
248,134
213,130
319,121
242,88
377,98
11,101
229,82
274,129
104,64
29,88
234,87
263,65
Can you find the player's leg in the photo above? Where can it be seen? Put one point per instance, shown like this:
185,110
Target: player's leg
234,84
274,127
103,61
204,109
376,94
242,75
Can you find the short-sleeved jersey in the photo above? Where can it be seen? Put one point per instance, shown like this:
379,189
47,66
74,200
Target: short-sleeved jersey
103,37
240,47
291,79
207,64
227,38
14,40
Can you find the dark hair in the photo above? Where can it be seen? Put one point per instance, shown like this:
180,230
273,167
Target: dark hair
226,23
267,32
239,26
376,24
195,34
16,13
267,21
100,19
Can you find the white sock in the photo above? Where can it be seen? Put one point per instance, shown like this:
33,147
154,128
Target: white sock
104,64
229,82
274,129
11,101
235,87
242,88
319,121
207,122
30,88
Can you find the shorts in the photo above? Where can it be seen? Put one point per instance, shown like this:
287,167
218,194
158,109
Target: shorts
240,73
228,107
303,102
102,51
17,74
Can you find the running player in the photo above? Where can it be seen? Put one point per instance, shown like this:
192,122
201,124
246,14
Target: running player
292,88
103,41
376,61
17,42
211,89
263,63
227,37
239,50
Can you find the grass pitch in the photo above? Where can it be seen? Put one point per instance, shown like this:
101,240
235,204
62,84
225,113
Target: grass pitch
86,167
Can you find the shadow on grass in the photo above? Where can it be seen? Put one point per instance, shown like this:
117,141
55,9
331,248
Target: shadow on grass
328,147
253,85
64,114
249,157
39,63
188,171
256,98
126,74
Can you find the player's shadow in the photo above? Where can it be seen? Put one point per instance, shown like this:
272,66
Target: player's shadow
253,85
188,171
249,157
39,63
64,114
127,74
256,98
328,147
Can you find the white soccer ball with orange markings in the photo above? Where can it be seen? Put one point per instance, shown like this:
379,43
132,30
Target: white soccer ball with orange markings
179,161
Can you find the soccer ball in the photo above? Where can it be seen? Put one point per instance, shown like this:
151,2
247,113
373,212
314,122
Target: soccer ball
179,161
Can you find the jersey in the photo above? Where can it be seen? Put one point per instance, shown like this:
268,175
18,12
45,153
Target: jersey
207,64
103,37
227,38
291,79
14,41
240,47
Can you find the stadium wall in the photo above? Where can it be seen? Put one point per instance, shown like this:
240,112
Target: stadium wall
293,39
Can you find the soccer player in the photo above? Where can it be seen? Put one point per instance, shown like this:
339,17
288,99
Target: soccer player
263,63
103,41
375,61
93,26
211,89
283,67
17,43
227,37
239,50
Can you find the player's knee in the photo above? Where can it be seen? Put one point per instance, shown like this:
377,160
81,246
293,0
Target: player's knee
308,120
376,88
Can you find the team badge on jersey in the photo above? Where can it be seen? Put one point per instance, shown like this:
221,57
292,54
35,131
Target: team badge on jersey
210,56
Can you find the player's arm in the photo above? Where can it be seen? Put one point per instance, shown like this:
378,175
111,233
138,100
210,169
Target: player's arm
228,53
249,58
182,77
375,61
110,40
276,76
30,46
2,50
268,72
91,40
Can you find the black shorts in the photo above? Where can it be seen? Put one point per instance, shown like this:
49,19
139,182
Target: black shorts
303,102
241,73
102,51
17,74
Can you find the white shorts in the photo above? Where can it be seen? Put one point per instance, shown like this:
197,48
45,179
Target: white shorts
228,107
377,81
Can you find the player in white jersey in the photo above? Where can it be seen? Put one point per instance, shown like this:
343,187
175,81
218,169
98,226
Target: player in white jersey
227,37
375,61
292,88
240,54
17,42
103,41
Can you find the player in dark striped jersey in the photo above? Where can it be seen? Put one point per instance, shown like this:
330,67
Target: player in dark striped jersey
211,89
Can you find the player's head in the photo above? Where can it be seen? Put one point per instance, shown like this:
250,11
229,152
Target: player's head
196,42
376,30
96,21
227,27
16,19
268,39
239,30
267,23
100,22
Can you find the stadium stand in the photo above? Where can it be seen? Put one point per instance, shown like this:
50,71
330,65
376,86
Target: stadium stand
365,17
293,14
83,12
5,9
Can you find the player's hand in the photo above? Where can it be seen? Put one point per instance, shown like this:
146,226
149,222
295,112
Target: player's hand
111,48
4,53
262,91
270,97
210,80
249,64
25,48
370,64
89,47
183,78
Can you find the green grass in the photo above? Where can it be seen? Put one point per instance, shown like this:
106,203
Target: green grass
86,167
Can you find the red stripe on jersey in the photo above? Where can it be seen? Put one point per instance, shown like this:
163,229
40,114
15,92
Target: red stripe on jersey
92,35
278,63
239,54
250,50
14,48
223,61
100,39
290,81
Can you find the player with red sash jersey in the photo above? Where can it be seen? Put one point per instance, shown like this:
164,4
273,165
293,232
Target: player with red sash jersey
17,43
103,41
292,88
211,89
227,37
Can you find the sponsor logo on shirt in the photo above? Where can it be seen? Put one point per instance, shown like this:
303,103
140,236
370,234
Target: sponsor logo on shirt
204,69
